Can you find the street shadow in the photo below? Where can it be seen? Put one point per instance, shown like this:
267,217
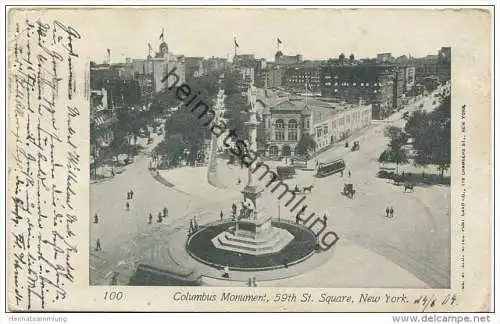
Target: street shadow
417,179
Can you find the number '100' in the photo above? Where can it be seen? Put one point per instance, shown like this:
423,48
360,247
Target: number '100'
113,295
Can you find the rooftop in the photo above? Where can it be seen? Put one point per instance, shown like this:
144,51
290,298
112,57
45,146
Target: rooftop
320,108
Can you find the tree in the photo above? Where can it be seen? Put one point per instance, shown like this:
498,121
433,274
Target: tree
173,148
432,136
236,114
305,145
395,152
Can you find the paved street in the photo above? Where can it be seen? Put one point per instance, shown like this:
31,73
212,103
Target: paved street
412,248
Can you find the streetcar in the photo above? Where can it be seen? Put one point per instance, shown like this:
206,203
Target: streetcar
330,167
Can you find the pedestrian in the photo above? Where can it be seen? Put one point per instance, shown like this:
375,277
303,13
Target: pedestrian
114,278
127,206
325,219
96,218
131,194
159,217
233,208
254,282
128,195
195,223
226,272
98,245
250,282
387,211
112,172
349,173
222,215
150,218
238,181
165,212
391,211
341,174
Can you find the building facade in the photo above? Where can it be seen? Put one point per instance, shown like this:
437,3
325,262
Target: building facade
298,76
369,83
281,59
102,119
215,63
285,122
194,67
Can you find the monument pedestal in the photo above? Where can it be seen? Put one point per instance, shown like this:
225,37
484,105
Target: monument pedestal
254,235
252,232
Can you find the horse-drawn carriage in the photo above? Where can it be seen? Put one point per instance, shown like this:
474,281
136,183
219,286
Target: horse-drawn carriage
349,190
304,190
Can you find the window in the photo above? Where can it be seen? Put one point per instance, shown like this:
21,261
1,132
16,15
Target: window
354,83
327,77
280,130
292,130
328,83
335,90
325,129
336,84
307,124
319,132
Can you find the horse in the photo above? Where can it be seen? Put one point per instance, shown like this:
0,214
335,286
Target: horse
308,188
409,186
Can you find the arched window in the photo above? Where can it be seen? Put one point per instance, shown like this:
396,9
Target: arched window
292,130
280,130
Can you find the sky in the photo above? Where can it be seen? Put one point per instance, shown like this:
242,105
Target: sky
314,33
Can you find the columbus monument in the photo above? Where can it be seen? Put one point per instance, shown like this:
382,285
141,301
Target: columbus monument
252,232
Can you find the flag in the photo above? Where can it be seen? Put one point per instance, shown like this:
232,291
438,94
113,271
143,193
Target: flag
236,44
149,46
279,41
109,51
162,35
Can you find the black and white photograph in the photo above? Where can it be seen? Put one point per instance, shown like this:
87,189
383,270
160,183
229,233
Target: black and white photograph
252,155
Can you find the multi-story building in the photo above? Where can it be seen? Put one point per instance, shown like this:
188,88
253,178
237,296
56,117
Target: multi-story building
297,76
102,118
286,119
281,59
246,60
385,58
443,66
194,67
275,76
409,78
121,91
399,87
371,83
434,65
159,65
215,64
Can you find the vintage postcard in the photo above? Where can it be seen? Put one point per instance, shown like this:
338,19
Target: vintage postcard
167,159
